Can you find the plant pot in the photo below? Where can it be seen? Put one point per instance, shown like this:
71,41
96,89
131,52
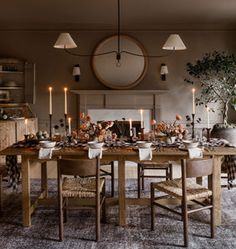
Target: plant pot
228,134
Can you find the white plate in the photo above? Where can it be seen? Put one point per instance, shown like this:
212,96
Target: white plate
47,144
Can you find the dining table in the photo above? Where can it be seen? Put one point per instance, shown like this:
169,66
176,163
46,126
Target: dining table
29,156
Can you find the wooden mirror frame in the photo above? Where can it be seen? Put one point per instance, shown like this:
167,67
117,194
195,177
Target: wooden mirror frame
131,71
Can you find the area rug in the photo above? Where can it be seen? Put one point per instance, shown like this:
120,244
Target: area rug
80,228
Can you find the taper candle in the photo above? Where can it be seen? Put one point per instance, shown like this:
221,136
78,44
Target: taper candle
130,127
65,90
141,118
50,100
208,118
26,126
193,91
69,126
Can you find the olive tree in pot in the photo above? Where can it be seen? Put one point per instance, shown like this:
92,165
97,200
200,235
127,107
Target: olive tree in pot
216,74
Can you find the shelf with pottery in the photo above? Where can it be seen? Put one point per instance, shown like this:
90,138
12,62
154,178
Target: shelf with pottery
17,81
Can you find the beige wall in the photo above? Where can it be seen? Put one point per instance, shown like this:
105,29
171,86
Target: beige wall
54,67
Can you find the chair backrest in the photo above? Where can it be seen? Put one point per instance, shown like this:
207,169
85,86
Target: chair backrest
80,167
197,168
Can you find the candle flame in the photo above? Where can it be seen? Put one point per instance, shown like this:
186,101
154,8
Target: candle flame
50,88
65,89
208,109
26,121
193,90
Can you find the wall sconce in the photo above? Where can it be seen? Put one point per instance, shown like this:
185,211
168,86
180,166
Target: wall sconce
76,72
163,72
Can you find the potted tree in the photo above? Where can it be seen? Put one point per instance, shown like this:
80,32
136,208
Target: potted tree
216,74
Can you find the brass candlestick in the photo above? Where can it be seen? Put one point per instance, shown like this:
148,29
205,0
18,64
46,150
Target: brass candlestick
65,115
142,133
50,126
193,120
208,134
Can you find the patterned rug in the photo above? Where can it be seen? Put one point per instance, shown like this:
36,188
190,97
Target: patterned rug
80,228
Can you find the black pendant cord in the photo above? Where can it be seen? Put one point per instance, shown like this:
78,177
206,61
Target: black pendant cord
118,28
118,52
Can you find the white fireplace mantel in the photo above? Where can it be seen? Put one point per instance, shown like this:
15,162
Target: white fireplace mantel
119,92
119,99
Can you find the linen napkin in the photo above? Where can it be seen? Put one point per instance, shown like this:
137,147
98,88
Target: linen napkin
92,153
195,153
145,154
45,153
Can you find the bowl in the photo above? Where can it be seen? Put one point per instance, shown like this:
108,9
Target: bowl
95,145
189,144
47,144
144,144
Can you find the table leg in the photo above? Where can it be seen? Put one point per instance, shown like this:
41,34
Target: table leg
26,204
217,189
121,194
44,179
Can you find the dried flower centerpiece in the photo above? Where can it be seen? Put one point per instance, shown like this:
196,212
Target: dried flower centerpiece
90,131
171,129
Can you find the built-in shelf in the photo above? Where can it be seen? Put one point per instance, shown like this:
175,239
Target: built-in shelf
11,87
11,72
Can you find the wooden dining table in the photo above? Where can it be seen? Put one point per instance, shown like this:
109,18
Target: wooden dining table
121,155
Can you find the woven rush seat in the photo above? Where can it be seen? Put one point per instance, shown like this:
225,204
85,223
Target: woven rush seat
80,187
174,188
151,165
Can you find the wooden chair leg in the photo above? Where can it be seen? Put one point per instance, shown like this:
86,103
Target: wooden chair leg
61,225
142,176
112,179
104,205
185,221
98,223
152,208
171,171
167,174
212,221
0,193
138,174
65,210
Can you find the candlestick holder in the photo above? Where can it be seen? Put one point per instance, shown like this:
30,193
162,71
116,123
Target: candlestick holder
50,126
193,121
69,139
65,115
208,134
142,133
26,137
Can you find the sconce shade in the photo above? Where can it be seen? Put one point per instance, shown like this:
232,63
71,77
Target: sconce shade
65,41
164,69
174,42
76,72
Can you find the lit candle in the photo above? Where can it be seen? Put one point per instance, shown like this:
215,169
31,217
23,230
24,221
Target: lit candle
208,119
69,126
193,91
50,100
141,117
65,90
130,127
26,126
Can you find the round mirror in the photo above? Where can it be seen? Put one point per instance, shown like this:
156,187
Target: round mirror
126,73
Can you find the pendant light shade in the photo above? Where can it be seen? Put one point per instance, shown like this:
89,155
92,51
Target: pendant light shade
174,42
65,41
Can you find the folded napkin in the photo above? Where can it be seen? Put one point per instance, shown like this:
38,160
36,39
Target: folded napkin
45,153
145,154
195,153
92,153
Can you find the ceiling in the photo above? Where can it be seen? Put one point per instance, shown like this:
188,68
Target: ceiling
102,14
